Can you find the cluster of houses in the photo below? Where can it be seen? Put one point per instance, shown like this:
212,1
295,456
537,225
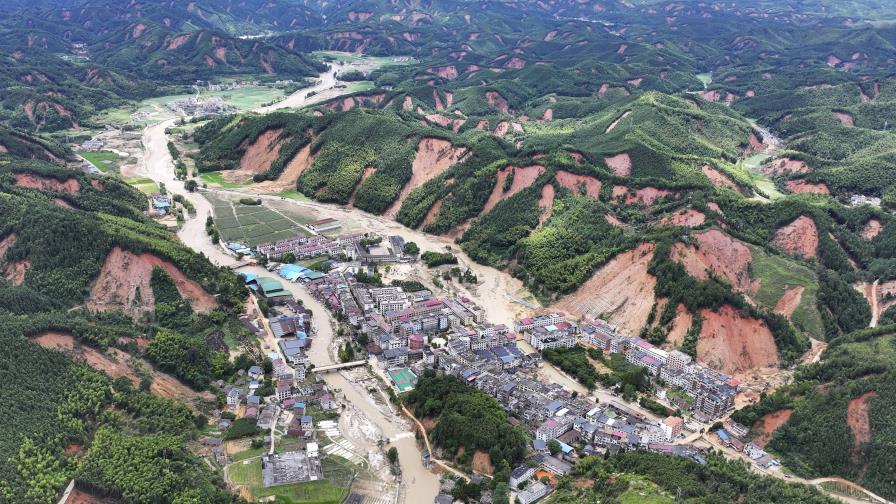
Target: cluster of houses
293,396
242,400
550,412
733,435
161,204
201,107
291,328
358,248
224,86
239,249
861,199
713,393
410,332
91,145
402,327
309,247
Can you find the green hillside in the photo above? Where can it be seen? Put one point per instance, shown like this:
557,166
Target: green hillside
842,416
58,229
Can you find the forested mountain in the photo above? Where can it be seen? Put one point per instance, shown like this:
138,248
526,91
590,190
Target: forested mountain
838,415
71,247
709,153
64,61
617,121
716,177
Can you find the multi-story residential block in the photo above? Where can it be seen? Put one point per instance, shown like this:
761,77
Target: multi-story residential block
678,360
521,474
541,321
672,426
284,391
553,428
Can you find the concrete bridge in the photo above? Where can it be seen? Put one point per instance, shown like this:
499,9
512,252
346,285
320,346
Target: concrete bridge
337,367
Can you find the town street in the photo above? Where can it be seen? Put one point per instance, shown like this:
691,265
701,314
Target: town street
391,426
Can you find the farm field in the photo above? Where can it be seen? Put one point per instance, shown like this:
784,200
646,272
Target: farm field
378,61
332,490
103,160
294,195
762,182
217,179
144,185
243,99
252,224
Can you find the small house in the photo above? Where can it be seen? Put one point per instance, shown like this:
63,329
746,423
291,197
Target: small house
307,423
233,397
328,402
256,373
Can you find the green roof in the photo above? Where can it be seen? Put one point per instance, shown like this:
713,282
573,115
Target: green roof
271,287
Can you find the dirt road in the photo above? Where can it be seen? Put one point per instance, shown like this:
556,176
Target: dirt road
875,304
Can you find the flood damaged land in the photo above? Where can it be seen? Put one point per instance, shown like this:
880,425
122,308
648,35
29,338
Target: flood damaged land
397,276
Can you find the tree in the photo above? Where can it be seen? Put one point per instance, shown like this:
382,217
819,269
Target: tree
191,185
501,494
411,249
554,446
392,455
466,491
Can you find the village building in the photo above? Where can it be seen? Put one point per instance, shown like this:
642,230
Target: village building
323,225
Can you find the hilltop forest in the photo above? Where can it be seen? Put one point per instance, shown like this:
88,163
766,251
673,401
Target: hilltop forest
97,386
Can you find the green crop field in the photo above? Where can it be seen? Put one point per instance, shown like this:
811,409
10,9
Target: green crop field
247,454
251,224
103,160
144,185
248,97
294,195
357,87
243,99
216,178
